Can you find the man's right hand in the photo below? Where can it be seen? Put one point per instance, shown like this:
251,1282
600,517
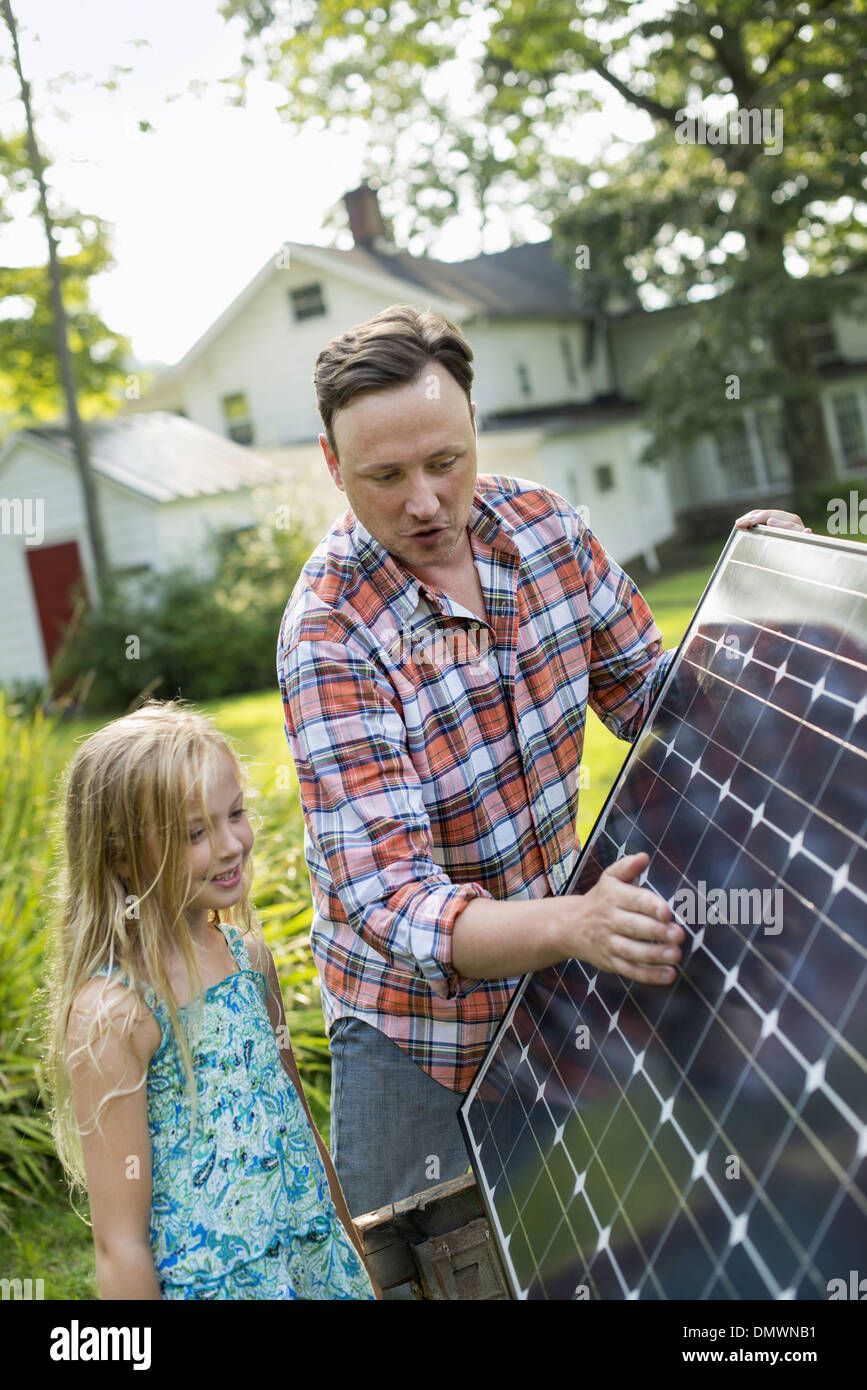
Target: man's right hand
616,926
620,927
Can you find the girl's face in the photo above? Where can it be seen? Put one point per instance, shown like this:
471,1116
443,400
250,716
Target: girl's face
217,864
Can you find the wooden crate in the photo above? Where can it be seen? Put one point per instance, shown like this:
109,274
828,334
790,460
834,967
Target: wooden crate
436,1243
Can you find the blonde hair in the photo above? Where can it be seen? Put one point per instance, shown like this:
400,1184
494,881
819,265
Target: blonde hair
128,793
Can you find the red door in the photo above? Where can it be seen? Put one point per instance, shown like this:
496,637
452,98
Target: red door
54,571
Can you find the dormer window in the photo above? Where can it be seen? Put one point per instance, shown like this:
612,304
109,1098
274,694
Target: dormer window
307,302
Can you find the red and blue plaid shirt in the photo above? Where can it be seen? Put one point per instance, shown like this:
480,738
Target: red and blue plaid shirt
438,758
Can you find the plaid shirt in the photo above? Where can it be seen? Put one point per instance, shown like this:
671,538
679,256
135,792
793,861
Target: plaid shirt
438,759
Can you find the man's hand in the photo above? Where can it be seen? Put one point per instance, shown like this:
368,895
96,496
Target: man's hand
619,927
787,521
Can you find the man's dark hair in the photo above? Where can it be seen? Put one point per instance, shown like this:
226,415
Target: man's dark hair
391,349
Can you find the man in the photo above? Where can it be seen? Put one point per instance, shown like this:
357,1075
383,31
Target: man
435,660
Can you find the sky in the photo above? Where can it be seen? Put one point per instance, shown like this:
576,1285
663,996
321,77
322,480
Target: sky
199,203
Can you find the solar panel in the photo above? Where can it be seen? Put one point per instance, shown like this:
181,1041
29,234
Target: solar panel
707,1139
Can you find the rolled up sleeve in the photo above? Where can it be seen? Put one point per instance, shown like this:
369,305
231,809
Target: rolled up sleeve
364,810
627,663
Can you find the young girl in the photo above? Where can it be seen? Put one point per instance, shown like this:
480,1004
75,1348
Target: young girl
177,1097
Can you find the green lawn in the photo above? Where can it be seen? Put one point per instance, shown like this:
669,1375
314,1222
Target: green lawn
672,601
51,1242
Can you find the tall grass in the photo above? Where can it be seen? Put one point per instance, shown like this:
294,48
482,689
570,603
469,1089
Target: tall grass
27,772
33,752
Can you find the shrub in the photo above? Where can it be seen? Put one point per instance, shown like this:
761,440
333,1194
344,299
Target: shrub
179,633
812,503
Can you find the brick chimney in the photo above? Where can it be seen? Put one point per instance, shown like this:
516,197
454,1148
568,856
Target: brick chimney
365,218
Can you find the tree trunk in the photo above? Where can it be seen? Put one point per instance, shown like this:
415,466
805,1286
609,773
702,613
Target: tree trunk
64,358
803,422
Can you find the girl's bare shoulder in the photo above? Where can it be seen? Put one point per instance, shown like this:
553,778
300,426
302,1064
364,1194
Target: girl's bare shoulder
110,1011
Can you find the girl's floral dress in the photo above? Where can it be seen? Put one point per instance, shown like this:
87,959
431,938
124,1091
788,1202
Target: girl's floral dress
244,1210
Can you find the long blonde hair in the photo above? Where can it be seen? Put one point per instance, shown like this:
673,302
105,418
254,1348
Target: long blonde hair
128,792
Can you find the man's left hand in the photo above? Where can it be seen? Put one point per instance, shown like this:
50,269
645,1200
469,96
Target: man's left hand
787,521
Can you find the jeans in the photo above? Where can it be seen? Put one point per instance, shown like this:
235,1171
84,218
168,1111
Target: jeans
394,1130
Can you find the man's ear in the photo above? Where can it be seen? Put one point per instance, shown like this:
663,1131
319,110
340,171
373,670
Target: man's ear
332,462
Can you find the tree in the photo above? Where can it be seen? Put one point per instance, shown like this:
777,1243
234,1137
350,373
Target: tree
762,238
28,160
31,390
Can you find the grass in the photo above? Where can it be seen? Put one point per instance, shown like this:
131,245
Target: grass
672,600
49,1240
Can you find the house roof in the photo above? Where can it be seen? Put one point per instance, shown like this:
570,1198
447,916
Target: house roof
603,410
163,456
522,280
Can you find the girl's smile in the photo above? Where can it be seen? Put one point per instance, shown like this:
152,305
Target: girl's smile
217,863
230,879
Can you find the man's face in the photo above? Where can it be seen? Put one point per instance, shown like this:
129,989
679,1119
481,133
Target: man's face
407,463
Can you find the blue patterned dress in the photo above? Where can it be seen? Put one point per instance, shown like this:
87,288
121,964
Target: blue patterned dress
244,1211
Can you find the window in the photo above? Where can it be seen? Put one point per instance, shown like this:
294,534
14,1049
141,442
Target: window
735,456
773,442
822,343
568,359
307,302
236,413
850,430
524,380
603,474
131,571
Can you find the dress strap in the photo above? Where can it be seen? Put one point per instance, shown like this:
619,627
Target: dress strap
237,945
145,991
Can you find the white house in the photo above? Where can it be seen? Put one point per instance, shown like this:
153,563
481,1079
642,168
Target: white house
555,379
165,487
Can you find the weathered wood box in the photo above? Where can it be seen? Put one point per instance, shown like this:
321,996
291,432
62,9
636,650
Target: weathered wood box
436,1243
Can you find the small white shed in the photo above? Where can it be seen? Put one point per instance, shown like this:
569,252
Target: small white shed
165,486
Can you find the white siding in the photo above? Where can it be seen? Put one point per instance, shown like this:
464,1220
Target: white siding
513,453
265,353
21,653
187,528
635,340
499,346
635,514
851,337
306,486
33,470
